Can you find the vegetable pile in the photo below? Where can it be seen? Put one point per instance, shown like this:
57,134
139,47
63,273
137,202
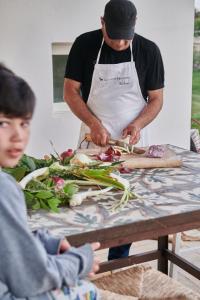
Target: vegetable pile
109,155
69,178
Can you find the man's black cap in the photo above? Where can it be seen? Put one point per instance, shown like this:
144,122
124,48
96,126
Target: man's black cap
120,17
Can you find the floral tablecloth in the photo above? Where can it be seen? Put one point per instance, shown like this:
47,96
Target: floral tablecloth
162,192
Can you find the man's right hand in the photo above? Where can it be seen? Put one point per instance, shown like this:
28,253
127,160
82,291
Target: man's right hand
99,134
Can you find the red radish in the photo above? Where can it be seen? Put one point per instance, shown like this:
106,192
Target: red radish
59,183
112,151
57,180
67,153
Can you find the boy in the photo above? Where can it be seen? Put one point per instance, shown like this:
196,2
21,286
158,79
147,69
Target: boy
32,266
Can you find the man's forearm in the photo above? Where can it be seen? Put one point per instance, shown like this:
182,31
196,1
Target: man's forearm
99,133
148,114
79,108
150,111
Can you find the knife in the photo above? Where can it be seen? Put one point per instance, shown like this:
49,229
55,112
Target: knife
129,147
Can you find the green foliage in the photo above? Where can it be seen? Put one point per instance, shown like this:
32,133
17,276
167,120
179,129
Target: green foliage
66,160
196,60
42,195
28,164
18,172
60,181
196,82
100,176
197,25
196,97
70,189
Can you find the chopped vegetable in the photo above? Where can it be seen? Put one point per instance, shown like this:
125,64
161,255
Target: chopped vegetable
156,151
124,170
109,155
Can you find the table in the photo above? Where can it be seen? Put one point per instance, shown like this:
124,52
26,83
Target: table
169,203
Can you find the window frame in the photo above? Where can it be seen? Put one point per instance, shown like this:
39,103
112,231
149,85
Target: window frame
60,48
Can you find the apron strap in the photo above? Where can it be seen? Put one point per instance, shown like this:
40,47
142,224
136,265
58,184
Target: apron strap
131,48
98,56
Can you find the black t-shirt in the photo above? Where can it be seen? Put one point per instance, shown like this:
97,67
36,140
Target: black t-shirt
83,56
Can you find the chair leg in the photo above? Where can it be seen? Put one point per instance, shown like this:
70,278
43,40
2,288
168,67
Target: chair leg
176,244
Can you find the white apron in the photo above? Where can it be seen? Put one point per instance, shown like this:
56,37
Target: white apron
115,98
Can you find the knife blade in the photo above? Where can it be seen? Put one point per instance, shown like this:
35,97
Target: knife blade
120,143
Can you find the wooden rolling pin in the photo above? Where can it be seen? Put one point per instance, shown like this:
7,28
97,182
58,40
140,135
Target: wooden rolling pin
146,162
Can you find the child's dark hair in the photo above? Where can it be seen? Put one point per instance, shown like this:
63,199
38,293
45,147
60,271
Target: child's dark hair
16,96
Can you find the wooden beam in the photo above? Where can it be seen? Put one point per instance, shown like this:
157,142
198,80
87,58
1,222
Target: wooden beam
183,264
129,261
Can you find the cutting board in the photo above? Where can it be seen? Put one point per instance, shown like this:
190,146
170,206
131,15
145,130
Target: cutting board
169,160
137,161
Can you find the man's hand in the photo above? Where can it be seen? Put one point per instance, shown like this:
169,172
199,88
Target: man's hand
134,133
64,246
99,134
95,267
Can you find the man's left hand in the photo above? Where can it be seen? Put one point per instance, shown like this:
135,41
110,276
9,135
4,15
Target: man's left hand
134,132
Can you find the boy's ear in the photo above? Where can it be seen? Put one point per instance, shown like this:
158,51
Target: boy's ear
102,21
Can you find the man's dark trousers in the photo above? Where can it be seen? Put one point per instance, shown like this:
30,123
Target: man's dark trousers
119,252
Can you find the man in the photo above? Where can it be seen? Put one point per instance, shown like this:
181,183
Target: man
114,80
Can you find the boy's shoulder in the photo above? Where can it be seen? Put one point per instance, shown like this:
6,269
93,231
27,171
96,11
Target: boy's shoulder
7,182
4,177
11,196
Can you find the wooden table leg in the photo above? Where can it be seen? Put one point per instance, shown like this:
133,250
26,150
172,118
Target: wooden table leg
163,260
176,243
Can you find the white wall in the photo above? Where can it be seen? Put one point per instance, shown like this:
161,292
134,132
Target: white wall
28,27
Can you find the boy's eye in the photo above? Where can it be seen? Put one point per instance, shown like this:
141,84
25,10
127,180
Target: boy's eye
25,124
3,124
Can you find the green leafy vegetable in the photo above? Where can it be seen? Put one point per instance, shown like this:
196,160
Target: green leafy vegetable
28,164
18,172
62,178
70,189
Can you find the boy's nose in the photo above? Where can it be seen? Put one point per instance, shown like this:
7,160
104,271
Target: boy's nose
17,134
